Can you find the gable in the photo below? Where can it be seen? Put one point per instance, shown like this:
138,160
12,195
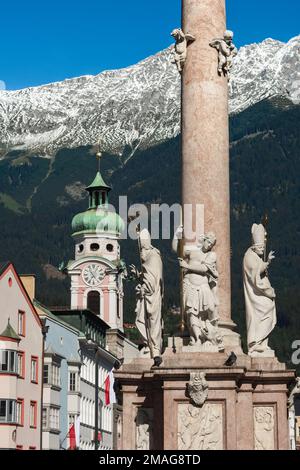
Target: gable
9,268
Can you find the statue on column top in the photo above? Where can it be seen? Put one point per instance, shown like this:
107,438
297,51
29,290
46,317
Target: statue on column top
200,292
259,295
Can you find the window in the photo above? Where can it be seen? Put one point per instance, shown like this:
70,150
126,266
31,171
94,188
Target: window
95,247
4,361
51,374
46,374
44,418
54,418
20,412
7,411
33,414
34,369
21,323
21,364
8,361
55,379
93,302
118,306
110,248
73,381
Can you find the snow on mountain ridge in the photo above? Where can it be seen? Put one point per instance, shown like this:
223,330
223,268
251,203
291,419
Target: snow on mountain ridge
135,107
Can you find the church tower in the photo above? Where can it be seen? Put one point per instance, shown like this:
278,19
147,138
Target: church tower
96,272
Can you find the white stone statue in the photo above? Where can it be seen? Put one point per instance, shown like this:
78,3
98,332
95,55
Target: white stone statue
200,292
180,51
226,53
259,295
149,296
295,391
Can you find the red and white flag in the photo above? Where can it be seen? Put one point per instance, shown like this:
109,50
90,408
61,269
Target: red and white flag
74,434
110,397
72,437
107,390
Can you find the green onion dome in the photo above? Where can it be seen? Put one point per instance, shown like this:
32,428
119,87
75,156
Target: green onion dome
98,218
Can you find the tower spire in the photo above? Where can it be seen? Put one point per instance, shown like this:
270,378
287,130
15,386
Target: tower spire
99,155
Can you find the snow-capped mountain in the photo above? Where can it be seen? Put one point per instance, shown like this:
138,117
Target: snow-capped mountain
271,68
135,107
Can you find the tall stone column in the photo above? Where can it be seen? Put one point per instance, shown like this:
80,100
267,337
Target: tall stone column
205,134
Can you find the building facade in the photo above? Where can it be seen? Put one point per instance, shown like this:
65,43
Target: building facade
21,364
61,380
97,364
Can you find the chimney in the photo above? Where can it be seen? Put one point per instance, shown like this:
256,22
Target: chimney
28,281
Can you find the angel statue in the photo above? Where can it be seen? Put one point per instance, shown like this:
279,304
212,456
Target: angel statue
182,42
149,292
226,53
200,292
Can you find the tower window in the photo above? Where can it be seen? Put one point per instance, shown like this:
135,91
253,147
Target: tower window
95,247
80,248
110,247
93,302
97,198
103,196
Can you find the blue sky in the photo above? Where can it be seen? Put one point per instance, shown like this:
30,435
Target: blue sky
42,42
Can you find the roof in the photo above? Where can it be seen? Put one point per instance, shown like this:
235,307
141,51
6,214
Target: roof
57,311
98,220
5,266
44,310
98,183
49,351
9,332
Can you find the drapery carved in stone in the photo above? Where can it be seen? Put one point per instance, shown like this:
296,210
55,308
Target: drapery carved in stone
200,428
144,428
264,429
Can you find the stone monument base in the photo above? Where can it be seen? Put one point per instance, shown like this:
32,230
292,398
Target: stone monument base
246,406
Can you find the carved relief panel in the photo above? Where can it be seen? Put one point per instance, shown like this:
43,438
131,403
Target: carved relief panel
144,429
264,428
200,428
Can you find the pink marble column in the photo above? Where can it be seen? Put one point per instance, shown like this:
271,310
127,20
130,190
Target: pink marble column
205,135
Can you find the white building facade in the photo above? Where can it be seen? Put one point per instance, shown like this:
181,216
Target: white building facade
21,365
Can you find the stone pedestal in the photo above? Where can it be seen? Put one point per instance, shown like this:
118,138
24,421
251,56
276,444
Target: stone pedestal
246,407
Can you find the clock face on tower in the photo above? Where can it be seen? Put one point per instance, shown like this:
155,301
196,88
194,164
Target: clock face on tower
93,275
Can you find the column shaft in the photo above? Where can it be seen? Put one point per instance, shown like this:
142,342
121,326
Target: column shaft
205,133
